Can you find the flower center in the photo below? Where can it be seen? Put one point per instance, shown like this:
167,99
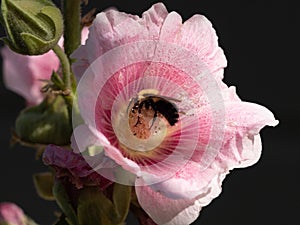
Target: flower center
143,124
141,121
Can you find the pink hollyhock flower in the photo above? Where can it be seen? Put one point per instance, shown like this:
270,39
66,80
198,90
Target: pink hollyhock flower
23,74
151,96
72,166
11,214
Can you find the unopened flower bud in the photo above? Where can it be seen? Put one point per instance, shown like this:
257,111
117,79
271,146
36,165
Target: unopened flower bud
11,214
45,123
33,27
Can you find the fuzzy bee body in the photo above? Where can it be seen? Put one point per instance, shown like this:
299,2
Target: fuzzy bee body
159,104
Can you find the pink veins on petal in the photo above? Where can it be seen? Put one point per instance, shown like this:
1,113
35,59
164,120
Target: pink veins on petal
154,145
123,86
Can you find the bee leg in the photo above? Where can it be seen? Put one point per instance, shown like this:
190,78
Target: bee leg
137,122
154,118
155,112
141,105
139,112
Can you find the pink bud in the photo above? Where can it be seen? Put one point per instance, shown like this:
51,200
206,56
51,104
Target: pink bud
11,214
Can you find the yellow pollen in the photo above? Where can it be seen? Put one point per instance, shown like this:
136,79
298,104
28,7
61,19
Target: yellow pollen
140,123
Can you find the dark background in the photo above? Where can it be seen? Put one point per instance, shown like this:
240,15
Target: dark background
261,42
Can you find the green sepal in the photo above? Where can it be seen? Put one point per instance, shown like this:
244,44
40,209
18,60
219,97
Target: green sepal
47,123
33,27
64,203
43,183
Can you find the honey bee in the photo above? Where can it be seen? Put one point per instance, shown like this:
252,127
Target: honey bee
163,105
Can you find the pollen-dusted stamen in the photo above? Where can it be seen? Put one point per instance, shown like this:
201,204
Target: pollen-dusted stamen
138,131
141,122
147,106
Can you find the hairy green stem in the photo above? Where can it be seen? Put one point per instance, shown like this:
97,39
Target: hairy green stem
65,65
69,100
67,78
72,30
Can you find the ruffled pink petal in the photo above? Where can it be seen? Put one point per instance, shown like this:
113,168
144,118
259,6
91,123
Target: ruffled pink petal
113,28
248,118
169,211
23,74
197,35
242,144
109,162
83,137
10,213
171,27
190,182
73,166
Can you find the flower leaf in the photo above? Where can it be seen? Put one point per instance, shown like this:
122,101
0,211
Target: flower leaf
121,200
95,208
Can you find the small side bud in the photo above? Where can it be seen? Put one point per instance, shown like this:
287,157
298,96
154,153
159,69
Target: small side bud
33,27
47,123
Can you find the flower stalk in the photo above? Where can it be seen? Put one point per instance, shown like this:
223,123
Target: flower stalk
67,79
65,64
71,14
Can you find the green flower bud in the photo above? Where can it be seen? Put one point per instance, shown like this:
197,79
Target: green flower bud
47,123
33,27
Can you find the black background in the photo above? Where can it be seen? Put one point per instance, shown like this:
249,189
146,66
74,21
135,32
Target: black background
261,42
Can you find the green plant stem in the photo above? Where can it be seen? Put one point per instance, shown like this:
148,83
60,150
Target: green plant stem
69,100
65,64
67,78
72,29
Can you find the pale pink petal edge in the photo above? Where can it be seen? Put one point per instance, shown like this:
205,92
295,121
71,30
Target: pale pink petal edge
167,211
